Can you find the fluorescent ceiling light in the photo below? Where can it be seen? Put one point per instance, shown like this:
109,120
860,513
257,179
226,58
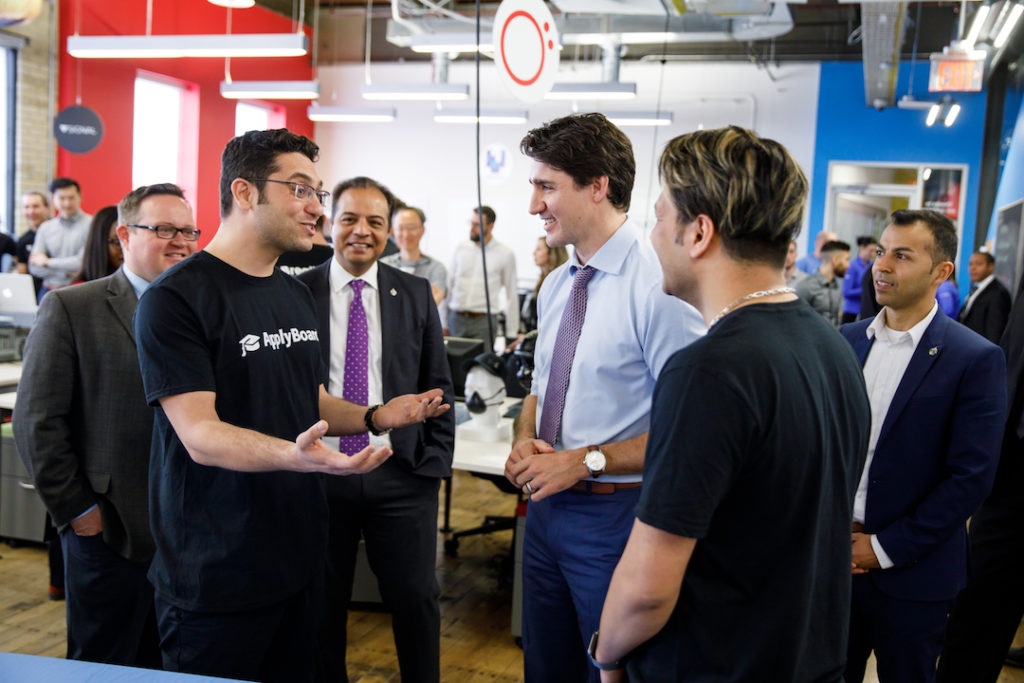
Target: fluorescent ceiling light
498,116
447,42
206,45
1007,29
234,4
933,114
270,90
980,15
316,112
592,91
416,91
951,114
639,118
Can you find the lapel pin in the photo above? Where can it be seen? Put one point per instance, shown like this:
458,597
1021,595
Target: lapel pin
932,351
393,292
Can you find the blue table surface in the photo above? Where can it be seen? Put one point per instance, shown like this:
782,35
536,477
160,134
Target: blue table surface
32,669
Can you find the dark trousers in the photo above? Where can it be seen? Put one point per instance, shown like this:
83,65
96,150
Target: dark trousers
110,611
272,644
573,542
396,513
905,635
471,326
987,612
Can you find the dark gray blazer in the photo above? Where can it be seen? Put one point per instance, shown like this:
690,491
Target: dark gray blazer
81,421
413,356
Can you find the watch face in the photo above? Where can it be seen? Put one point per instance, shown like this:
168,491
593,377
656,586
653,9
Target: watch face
595,461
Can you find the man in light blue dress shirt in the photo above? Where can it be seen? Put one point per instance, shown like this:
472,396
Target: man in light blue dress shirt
585,482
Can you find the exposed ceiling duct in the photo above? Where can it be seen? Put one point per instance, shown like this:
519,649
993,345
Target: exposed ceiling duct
882,31
707,21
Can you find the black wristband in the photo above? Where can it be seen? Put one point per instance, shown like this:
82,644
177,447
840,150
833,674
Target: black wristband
603,666
368,419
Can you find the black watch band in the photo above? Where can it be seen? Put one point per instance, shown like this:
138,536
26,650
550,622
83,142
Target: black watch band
368,419
603,666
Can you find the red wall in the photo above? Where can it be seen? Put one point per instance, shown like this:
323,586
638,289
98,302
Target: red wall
107,87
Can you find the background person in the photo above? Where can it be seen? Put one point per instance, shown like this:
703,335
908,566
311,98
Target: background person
547,259
987,307
102,254
57,250
854,279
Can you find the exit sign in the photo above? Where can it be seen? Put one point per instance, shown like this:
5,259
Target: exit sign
955,75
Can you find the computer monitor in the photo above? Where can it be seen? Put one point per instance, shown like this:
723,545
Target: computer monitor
460,350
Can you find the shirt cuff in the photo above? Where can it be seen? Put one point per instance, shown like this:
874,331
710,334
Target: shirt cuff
93,507
883,560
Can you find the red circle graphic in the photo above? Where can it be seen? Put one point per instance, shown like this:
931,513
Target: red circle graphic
504,59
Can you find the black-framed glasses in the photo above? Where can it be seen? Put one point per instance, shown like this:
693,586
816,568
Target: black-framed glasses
169,232
302,191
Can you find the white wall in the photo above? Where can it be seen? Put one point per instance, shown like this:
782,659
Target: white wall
433,165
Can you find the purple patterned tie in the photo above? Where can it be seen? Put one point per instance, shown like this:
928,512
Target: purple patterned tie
356,387
561,360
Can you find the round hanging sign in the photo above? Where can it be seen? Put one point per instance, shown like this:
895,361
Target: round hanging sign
526,48
78,129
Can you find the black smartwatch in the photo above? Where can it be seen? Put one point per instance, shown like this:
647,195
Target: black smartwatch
368,419
603,666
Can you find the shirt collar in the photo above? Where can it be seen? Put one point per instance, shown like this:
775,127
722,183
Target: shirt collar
879,328
985,283
612,254
138,284
341,277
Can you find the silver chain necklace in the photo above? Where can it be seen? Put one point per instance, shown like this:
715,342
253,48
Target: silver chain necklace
749,297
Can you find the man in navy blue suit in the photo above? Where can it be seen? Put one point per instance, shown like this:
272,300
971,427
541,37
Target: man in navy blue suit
395,509
938,401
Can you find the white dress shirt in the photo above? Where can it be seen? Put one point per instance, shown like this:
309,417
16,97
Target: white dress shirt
466,282
973,296
883,370
341,299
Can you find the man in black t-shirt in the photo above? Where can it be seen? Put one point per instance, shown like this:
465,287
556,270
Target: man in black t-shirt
737,567
230,358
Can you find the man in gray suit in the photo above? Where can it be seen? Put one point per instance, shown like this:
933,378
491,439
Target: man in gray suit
83,428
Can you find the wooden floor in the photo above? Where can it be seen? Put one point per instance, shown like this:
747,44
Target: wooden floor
476,645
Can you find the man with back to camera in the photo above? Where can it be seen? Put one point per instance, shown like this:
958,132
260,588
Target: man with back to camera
822,290
408,226
230,358
987,612
382,341
853,281
723,578
987,307
36,208
938,402
606,329
83,427
57,250
466,304
809,263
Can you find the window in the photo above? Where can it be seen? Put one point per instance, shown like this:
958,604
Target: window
251,116
165,136
7,88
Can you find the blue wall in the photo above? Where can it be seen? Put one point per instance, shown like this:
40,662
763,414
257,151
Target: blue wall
1011,176
849,130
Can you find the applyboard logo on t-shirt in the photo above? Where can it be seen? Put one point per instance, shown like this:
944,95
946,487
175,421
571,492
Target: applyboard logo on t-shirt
276,340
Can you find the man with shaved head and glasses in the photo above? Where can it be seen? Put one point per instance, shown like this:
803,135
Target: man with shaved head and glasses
83,427
230,356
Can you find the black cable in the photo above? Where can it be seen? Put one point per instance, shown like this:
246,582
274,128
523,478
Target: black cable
479,196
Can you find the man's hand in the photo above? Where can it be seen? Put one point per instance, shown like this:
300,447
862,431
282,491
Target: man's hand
89,524
546,471
402,411
515,342
39,258
313,455
863,554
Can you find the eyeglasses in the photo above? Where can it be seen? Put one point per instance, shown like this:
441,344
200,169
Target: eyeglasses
302,191
169,232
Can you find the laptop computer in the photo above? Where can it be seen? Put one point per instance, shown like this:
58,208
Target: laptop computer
17,299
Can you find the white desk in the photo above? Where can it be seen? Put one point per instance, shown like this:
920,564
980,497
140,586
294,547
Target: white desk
482,457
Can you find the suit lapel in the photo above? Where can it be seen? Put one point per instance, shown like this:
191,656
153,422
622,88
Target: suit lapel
389,312
122,301
927,352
